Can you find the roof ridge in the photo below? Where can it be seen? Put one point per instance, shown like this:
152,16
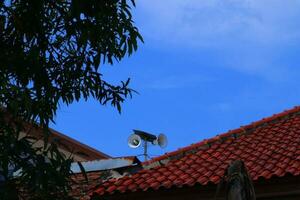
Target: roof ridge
206,143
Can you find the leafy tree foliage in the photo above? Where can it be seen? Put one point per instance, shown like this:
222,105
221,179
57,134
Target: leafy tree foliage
50,53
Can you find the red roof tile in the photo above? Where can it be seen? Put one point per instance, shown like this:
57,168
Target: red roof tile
269,147
81,188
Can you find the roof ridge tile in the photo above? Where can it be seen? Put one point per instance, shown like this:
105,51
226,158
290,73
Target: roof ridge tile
234,133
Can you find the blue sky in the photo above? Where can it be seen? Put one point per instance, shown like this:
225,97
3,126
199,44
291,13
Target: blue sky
206,67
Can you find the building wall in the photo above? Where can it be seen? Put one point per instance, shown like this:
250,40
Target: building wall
68,146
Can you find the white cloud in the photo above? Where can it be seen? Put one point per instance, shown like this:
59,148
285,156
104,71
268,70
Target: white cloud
248,35
214,22
177,82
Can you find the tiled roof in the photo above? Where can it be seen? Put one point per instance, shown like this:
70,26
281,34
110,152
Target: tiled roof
269,147
81,187
98,171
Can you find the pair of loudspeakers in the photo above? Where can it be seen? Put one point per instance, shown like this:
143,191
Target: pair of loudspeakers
135,139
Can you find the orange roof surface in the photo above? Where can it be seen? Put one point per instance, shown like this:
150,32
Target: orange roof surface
269,147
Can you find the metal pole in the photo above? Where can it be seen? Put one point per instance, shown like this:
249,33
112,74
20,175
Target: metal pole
145,150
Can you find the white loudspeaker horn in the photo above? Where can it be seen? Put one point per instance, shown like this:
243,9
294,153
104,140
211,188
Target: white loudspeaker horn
134,141
162,140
